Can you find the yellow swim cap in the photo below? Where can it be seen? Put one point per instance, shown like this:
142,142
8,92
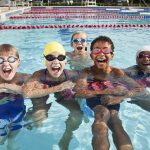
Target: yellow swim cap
54,47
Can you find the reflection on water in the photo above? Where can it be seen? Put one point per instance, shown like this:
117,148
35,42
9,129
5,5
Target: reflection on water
48,132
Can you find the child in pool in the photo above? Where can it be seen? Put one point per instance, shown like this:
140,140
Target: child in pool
141,73
95,84
12,108
55,79
80,57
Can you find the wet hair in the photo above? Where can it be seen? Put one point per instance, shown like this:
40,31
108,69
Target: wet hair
8,48
104,39
77,32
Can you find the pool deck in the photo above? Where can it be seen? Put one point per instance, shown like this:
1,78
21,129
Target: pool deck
6,12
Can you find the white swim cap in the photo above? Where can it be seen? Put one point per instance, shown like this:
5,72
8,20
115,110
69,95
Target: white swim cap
144,48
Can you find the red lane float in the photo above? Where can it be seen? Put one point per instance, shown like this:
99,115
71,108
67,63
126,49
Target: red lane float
68,12
84,17
77,26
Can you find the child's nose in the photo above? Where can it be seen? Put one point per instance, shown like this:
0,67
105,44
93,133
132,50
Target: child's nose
55,60
100,53
5,63
146,57
79,42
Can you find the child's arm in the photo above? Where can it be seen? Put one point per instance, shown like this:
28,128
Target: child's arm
14,87
82,90
134,89
36,89
33,88
10,88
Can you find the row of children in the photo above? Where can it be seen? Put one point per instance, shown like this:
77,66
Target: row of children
102,85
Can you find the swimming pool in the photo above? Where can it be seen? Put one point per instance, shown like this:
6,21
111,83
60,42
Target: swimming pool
30,44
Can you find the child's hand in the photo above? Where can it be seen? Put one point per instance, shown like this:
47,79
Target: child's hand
2,85
38,85
11,88
3,90
84,93
111,100
80,86
119,91
66,85
135,92
67,94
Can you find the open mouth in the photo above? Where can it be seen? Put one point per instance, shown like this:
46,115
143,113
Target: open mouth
56,69
79,48
146,64
101,60
7,71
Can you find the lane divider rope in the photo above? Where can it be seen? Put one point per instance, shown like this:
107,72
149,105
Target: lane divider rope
84,17
3,27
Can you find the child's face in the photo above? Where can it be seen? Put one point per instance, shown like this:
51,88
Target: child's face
143,60
9,63
101,54
55,64
79,43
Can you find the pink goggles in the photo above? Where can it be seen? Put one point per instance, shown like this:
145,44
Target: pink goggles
104,51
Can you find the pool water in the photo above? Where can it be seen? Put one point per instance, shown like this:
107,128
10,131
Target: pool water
47,21
30,44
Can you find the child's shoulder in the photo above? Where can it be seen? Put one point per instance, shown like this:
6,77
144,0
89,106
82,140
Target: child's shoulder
20,74
20,78
87,70
117,72
69,54
71,71
132,71
71,74
39,72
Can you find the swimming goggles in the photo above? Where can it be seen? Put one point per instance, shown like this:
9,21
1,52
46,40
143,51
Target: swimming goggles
104,51
79,40
143,55
10,59
51,57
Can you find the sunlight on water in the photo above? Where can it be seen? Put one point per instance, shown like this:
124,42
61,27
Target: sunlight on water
30,44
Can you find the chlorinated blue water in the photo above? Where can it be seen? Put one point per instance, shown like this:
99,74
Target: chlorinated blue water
30,44
47,21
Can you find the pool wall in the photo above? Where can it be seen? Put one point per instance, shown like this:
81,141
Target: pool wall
5,15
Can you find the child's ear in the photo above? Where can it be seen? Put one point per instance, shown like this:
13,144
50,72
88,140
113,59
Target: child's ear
137,61
71,43
91,56
18,62
112,55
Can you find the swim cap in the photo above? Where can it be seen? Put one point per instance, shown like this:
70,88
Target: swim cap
144,48
54,47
